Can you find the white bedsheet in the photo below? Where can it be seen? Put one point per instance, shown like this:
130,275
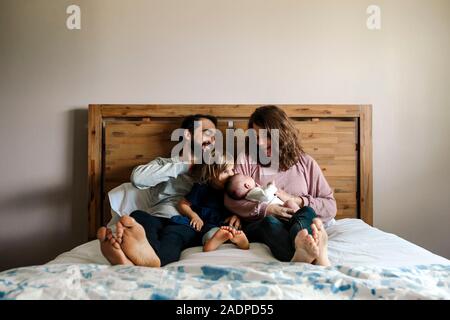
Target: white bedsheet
351,242
367,264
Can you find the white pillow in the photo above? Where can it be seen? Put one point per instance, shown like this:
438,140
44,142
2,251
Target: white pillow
125,199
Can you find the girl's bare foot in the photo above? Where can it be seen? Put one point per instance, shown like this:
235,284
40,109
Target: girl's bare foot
239,238
321,239
220,237
111,250
135,244
306,249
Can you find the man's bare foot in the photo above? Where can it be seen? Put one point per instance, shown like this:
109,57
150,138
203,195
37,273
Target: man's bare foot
111,250
219,238
306,249
119,232
321,239
135,244
239,238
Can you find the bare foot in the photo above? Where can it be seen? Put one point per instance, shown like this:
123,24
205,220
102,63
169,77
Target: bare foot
306,249
239,238
111,250
321,239
220,237
135,244
119,232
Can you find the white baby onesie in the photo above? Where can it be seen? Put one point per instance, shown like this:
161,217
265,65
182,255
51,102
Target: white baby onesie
264,194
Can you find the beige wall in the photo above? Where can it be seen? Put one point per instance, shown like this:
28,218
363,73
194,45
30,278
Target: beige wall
218,51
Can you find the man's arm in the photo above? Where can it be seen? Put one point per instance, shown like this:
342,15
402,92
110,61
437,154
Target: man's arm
157,171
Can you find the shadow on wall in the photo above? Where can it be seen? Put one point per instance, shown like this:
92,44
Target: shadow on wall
79,133
48,221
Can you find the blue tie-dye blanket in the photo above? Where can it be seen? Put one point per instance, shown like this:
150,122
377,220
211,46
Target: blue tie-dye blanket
268,280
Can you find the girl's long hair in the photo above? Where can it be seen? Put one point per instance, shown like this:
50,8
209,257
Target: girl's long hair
273,117
206,172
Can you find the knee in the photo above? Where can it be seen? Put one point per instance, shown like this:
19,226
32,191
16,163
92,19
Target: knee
269,222
139,215
307,212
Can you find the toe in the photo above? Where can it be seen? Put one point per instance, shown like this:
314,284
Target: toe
315,232
101,234
119,229
127,221
116,245
318,223
303,233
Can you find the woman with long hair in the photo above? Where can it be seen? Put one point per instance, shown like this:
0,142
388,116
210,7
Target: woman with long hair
291,236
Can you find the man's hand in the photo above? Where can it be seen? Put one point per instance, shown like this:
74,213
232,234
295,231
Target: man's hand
234,221
197,223
278,211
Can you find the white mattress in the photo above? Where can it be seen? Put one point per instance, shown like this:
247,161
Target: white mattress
351,242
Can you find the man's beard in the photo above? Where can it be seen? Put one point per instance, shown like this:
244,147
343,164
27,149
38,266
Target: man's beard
204,147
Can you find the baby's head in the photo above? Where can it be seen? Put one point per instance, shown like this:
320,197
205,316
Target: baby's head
238,186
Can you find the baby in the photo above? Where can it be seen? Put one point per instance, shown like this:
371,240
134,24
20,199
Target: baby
240,187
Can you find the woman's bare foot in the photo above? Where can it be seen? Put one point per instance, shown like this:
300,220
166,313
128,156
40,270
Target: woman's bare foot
111,250
321,239
219,238
239,238
306,249
135,244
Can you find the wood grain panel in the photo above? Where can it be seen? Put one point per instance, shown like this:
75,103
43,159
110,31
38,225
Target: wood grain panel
121,137
331,143
237,110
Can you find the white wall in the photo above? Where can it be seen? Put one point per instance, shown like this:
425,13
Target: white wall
218,51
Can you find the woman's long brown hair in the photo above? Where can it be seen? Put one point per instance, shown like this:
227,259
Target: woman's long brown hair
272,117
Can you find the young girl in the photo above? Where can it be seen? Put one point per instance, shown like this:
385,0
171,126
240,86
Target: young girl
202,208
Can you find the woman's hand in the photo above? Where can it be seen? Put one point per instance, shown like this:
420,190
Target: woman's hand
197,223
283,195
280,212
234,221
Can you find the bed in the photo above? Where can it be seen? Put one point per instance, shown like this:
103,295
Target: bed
367,263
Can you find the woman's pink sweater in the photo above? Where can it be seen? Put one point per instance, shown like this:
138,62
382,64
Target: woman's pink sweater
304,179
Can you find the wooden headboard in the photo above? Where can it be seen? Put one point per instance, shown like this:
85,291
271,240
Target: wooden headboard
121,137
